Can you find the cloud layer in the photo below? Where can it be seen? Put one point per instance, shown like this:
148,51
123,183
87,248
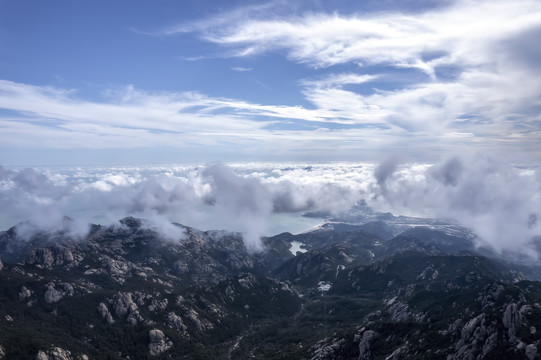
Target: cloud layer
241,198
498,201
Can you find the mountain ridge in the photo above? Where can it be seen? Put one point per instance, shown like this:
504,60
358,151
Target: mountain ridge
125,291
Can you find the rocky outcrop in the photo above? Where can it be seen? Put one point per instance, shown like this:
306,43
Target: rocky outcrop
41,257
25,293
472,337
157,304
531,351
52,294
125,307
2,352
174,321
400,311
330,351
42,355
180,267
55,353
193,316
158,342
117,269
511,319
247,281
104,312
1,265
53,256
364,344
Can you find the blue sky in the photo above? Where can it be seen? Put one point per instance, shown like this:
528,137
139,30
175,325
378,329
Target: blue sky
105,82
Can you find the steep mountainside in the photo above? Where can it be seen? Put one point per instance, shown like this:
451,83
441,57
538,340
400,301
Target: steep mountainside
353,292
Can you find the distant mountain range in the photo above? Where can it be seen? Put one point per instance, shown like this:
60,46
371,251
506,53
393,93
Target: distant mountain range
384,288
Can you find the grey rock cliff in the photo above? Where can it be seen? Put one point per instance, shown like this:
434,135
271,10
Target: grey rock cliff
52,294
55,353
511,319
52,256
158,342
174,321
531,351
125,306
364,345
24,293
105,314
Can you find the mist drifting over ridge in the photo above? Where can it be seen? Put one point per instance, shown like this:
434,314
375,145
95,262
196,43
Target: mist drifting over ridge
499,202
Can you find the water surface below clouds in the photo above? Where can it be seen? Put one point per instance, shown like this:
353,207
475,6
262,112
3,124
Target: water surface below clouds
292,223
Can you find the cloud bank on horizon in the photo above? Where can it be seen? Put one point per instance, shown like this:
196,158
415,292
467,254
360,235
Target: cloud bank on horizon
500,203
285,81
191,82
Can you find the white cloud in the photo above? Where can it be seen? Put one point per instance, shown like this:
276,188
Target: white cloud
46,117
241,198
478,57
489,101
338,80
241,69
498,201
462,33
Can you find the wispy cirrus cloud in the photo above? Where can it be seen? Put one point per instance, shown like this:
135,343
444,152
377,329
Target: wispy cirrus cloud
221,18
464,33
337,80
475,66
342,124
36,116
241,69
471,81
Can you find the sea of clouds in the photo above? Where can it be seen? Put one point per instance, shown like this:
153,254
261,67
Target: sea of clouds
498,201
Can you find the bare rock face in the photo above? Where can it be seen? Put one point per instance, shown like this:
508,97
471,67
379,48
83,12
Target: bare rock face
55,353
531,351
471,326
157,304
24,293
158,342
52,256
490,344
193,316
105,314
117,269
364,345
52,294
472,336
42,356
1,265
42,257
125,306
511,319
247,281
329,351
2,352
400,311
174,321
181,267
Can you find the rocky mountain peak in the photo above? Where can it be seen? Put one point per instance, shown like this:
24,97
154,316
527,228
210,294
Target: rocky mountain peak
124,291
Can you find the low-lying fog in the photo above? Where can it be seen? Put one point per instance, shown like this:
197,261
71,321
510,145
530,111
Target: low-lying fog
501,203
